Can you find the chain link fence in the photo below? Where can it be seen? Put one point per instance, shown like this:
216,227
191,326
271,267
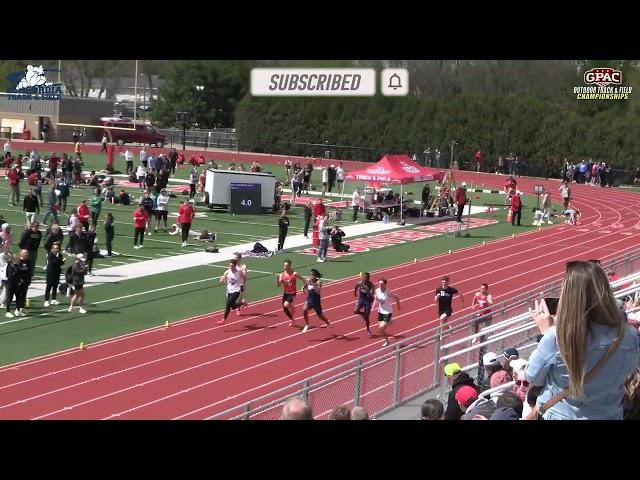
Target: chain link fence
380,382
222,138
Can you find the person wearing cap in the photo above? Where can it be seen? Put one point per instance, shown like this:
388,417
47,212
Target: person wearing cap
465,396
461,200
162,210
509,355
186,213
458,379
491,366
78,271
516,208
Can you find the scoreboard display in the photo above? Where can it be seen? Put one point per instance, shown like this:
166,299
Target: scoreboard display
246,198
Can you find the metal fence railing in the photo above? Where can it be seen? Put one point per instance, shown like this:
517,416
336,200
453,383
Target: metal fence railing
382,381
224,138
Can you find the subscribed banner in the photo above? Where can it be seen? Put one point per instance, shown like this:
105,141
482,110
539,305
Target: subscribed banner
313,82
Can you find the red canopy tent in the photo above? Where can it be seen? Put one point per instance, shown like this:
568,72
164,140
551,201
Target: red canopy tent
395,170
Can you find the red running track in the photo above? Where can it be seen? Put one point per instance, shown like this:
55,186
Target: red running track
196,368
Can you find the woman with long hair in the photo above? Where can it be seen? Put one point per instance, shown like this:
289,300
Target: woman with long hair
588,331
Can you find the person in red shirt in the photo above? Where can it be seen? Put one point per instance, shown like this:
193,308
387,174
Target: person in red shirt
509,185
479,156
14,176
516,208
461,200
185,216
54,160
287,279
481,303
84,214
110,153
140,217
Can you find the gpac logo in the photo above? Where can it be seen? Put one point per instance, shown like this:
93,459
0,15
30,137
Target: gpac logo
603,77
32,84
602,84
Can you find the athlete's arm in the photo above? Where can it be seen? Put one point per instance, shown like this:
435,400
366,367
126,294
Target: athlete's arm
318,286
489,299
355,291
437,300
279,280
397,299
461,298
475,300
223,278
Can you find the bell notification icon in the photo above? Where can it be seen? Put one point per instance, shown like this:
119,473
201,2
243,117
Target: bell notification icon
395,82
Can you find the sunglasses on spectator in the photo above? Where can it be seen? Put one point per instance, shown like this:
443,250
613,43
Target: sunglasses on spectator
521,383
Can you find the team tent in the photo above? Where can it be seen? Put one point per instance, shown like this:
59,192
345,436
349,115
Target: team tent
395,170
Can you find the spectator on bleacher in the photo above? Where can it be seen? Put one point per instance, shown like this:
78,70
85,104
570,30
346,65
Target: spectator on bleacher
432,409
587,329
341,412
521,388
359,413
296,408
491,366
508,356
458,379
465,396
509,400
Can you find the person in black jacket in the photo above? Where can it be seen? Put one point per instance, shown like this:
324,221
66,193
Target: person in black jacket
53,235
331,174
283,228
78,271
31,207
91,240
18,283
457,378
308,214
30,241
54,268
77,241
110,232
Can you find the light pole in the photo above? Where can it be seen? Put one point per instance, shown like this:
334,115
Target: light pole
453,142
144,98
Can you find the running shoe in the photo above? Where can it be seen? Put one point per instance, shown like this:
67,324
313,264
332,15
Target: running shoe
82,310
386,343
305,329
55,302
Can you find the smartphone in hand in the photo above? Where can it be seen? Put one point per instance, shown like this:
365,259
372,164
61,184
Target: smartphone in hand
552,304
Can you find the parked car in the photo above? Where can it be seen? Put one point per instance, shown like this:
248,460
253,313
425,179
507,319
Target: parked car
140,132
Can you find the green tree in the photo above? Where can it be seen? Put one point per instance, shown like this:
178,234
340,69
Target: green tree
7,67
210,90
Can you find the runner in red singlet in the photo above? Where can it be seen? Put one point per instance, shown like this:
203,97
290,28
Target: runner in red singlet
288,279
481,301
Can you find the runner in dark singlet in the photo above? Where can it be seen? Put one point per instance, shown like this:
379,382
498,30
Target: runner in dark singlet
444,299
364,293
313,286
288,280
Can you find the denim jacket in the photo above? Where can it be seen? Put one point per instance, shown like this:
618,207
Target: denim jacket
603,394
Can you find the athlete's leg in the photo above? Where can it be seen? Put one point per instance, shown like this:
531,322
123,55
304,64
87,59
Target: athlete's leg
305,314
